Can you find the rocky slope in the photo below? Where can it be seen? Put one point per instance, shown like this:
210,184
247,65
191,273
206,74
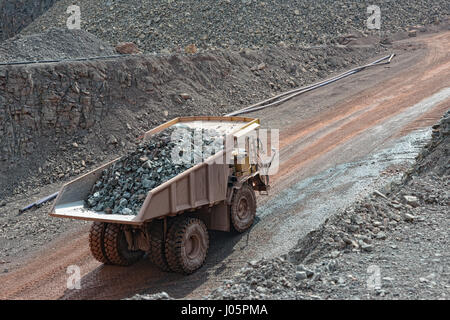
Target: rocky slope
53,44
172,25
124,186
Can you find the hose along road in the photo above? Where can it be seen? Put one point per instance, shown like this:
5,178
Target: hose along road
336,144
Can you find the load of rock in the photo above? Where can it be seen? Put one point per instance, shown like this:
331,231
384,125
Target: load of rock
124,185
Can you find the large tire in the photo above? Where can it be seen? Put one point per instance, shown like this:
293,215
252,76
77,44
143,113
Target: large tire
186,245
243,208
96,242
116,247
157,245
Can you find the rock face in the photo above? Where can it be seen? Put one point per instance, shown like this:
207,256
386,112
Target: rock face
160,25
123,186
17,14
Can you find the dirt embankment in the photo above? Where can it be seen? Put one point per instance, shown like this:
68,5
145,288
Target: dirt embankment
57,119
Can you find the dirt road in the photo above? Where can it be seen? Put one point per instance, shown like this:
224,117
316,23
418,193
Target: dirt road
335,142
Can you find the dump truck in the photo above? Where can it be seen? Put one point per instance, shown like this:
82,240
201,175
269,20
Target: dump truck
172,225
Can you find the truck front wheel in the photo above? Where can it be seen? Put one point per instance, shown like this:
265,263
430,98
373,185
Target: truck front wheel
243,208
187,245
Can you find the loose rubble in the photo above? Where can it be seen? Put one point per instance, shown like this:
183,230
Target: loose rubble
171,26
53,44
124,185
157,296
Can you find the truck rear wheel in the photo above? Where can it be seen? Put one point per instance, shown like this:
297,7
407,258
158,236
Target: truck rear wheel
157,245
116,246
186,245
96,242
243,208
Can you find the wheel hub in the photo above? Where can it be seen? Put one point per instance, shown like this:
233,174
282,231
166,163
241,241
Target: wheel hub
242,208
193,246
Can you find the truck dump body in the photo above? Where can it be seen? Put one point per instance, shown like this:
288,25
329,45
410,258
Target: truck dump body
205,184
